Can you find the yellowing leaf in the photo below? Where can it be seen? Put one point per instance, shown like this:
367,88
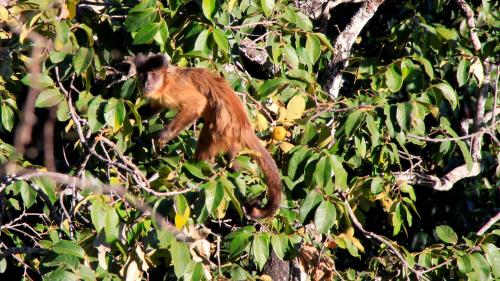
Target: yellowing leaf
261,123
181,219
296,107
286,146
477,70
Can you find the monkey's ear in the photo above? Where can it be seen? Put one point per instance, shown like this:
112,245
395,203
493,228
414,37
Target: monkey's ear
139,60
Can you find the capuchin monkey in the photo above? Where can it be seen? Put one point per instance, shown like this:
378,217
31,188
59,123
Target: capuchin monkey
199,93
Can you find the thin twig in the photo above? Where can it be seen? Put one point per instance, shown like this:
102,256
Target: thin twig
480,132
97,187
382,240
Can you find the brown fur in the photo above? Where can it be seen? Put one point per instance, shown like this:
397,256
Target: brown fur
198,93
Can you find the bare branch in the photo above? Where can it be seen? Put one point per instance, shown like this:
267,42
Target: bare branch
382,240
98,187
22,250
471,22
332,78
444,183
481,131
487,226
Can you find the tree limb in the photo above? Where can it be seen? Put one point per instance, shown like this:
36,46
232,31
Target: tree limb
332,78
98,187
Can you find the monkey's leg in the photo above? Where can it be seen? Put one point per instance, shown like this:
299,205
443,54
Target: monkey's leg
184,118
206,149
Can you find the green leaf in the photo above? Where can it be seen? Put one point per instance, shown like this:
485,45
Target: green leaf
94,113
214,193
463,72
27,193
83,59
114,113
394,78
313,47
464,264
208,7
37,80
140,16
180,257
111,222
352,121
312,199
427,66
221,40
195,169
481,270
7,117
48,98
446,234
324,172
447,34
146,34
280,245
64,247
229,190
448,93
297,158
98,214
48,187
161,37
201,42
291,56
339,172
463,148
3,262
377,185
239,243
260,249
404,115
267,6
325,216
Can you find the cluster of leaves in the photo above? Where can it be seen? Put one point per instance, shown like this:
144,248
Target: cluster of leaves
329,152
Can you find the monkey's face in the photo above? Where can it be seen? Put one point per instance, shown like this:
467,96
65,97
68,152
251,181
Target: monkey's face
150,82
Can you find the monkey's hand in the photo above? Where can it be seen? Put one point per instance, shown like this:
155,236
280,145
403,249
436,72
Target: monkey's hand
163,138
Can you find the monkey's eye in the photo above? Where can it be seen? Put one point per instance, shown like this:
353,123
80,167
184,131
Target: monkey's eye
154,75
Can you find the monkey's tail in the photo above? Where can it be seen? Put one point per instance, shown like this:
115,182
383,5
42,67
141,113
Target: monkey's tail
270,170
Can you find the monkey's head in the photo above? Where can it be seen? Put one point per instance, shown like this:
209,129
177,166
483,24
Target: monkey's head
150,72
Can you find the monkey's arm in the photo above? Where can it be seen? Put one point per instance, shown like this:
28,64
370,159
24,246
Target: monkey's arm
187,114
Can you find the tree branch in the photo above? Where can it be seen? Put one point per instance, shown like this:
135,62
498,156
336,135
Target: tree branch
491,222
22,250
471,22
98,187
382,240
332,78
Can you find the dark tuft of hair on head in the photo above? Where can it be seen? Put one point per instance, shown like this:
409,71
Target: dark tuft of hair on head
151,62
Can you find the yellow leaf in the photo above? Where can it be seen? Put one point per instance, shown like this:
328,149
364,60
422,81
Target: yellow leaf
72,8
4,14
477,70
261,123
286,146
221,210
296,107
350,232
356,243
282,114
181,219
230,5
325,142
